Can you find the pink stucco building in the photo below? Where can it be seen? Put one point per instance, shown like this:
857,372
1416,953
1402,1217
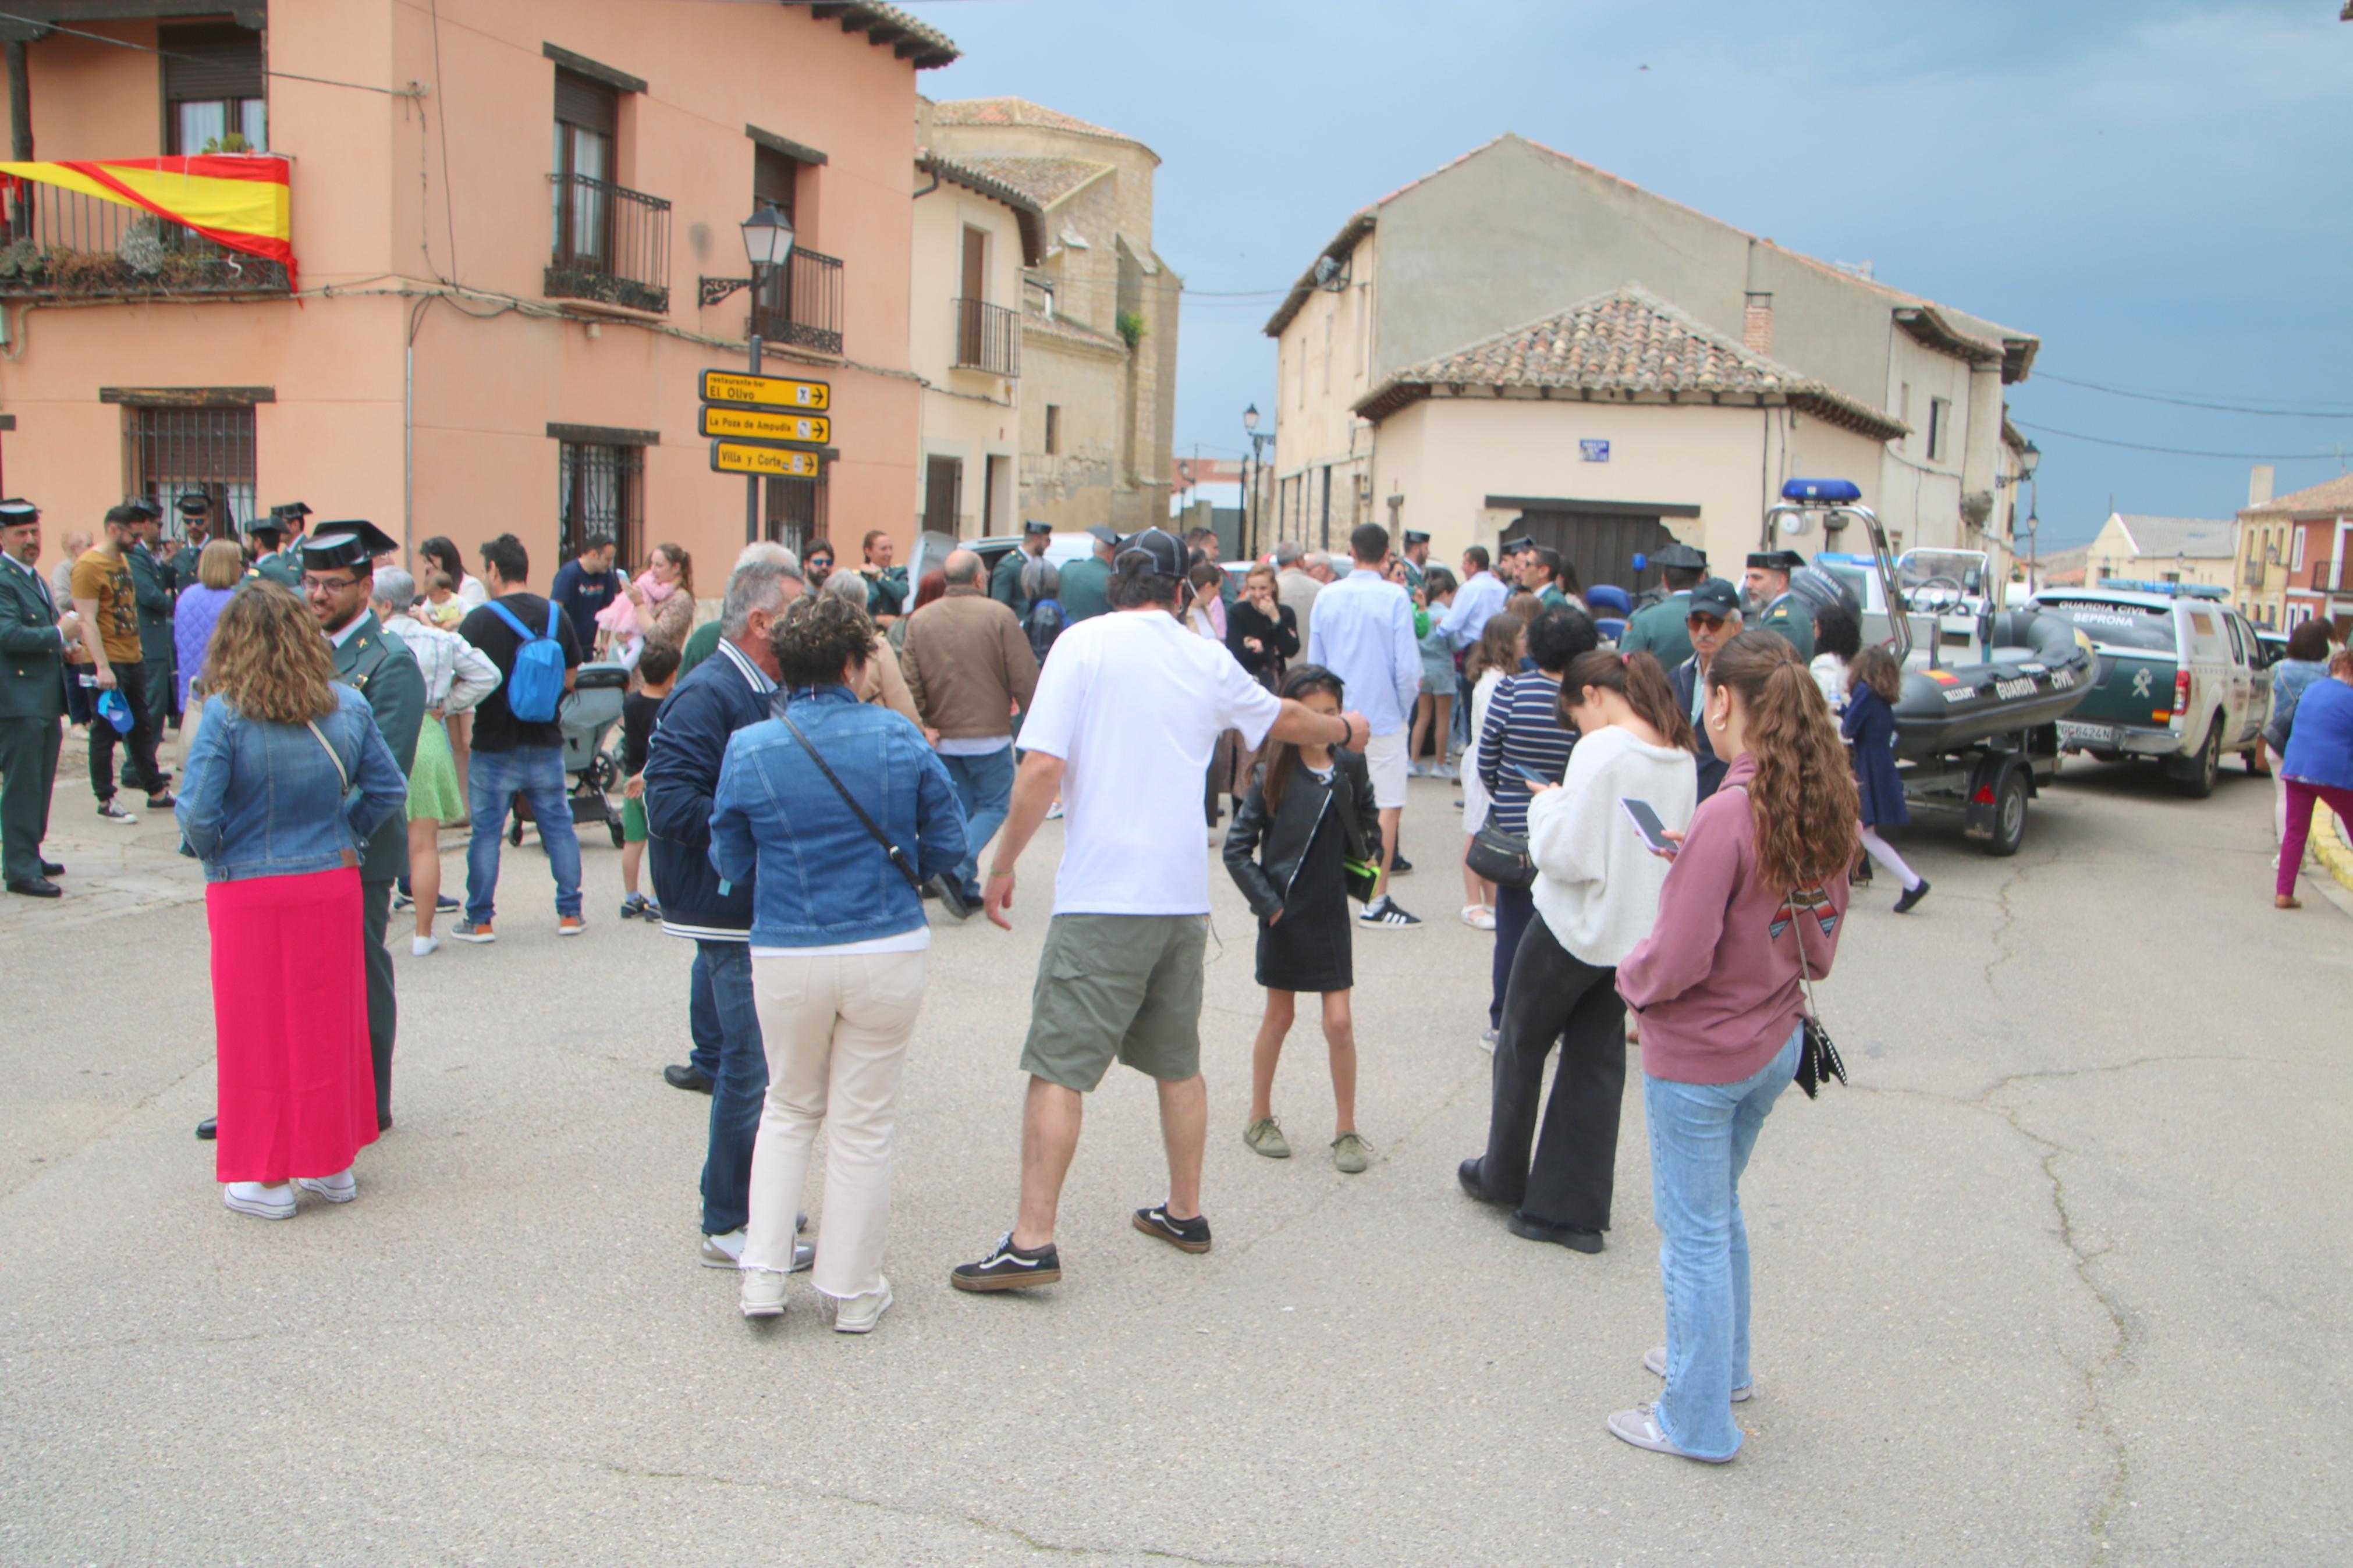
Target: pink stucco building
503,215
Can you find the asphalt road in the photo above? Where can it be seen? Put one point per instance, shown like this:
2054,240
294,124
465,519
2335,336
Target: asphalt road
2059,1280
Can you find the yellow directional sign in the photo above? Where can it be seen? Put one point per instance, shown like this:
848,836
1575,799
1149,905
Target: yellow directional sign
758,424
765,391
734,458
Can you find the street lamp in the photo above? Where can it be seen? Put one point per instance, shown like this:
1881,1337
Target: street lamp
767,242
1251,481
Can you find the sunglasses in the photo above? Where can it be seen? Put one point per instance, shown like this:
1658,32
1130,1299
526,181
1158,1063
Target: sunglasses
1700,623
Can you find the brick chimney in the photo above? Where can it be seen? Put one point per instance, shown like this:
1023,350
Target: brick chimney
2259,485
1757,324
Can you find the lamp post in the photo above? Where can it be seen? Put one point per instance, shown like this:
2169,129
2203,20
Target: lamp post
1250,480
767,242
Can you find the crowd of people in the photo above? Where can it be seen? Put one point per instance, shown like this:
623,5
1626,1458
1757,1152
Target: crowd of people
1663,827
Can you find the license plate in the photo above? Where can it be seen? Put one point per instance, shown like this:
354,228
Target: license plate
2101,735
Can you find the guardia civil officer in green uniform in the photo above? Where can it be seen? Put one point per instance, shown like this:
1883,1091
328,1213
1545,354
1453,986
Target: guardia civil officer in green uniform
1005,582
338,574
1771,605
283,534
1658,628
33,644
150,591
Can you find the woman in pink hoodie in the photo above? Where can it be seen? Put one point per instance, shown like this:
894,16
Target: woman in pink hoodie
1758,891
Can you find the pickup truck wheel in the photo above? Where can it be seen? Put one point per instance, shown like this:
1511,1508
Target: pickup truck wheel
2199,782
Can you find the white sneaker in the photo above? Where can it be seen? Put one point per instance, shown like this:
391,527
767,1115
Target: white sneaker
339,1188
260,1201
764,1294
858,1314
419,946
1655,1361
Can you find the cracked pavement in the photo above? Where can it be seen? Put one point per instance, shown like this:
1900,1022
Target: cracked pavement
2059,1280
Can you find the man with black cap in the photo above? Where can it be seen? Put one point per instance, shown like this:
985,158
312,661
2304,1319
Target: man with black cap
1005,582
1658,630
34,642
1086,584
283,534
1766,597
1710,619
338,574
1127,712
196,533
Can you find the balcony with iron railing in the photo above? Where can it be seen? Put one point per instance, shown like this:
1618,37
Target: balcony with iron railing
802,304
60,243
987,338
609,244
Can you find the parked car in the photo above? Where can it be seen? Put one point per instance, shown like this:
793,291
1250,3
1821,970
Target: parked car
2181,680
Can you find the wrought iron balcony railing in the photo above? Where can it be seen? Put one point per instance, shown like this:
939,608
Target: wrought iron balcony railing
801,304
611,244
987,338
61,243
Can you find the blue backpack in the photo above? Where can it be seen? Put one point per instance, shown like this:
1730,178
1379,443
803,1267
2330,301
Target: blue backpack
536,684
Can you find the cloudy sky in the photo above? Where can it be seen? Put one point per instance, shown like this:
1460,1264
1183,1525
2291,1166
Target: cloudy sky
2158,190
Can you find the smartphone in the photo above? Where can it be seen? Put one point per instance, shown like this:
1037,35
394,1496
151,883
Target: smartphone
1646,823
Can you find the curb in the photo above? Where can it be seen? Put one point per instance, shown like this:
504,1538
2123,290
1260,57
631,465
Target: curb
2333,851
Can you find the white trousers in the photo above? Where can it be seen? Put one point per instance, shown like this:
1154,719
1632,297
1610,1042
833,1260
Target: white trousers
836,1031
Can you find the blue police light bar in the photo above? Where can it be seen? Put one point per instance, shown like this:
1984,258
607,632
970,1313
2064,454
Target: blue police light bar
1833,492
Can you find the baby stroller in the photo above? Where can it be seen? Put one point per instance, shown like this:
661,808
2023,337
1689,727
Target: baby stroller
589,711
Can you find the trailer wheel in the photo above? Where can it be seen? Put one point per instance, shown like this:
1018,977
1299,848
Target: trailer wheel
2008,813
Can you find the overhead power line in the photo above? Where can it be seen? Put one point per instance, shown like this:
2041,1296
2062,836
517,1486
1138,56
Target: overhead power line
2195,403
2178,451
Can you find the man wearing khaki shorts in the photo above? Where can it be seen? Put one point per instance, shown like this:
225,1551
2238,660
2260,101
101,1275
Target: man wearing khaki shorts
1125,716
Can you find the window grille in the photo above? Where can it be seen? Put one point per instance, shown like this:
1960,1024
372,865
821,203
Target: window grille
172,452
601,490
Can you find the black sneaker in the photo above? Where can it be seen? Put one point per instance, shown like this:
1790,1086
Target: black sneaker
1385,911
1184,1235
1009,1267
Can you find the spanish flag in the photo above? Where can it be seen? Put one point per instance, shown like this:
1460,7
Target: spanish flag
235,200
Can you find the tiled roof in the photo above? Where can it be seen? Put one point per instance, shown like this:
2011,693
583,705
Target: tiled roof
887,25
1043,180
1016,112
1923,319
2326,499
2202,538
1027,212
1630,345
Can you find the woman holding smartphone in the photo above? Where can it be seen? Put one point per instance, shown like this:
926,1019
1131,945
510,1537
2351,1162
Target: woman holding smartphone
1596,896
1756,894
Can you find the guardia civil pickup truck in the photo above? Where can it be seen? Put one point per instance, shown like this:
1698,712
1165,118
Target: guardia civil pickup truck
2181,680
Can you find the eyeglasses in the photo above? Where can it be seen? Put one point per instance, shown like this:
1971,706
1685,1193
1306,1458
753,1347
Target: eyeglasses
1700,623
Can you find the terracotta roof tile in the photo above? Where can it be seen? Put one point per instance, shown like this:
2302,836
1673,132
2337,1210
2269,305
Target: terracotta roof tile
2327,497
1043,180
1625,343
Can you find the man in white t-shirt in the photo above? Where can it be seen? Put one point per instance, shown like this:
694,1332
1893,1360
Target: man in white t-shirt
1126,714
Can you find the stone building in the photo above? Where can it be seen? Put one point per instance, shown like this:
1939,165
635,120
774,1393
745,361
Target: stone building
1098,400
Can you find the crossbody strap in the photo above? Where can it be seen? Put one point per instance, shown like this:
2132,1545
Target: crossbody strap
898,855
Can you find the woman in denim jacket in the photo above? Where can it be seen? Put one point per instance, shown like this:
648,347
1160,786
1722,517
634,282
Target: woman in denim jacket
286,779
837,941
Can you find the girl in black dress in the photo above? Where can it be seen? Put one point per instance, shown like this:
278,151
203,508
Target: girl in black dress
1305,817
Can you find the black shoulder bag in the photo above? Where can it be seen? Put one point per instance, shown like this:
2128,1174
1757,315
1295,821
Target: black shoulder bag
1818,1058
898,855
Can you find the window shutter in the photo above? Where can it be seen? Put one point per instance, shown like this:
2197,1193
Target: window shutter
773,179
216,61
590,105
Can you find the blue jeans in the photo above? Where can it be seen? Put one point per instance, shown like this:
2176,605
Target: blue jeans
492,781
738,1090
1701,1138
703,1019
985,785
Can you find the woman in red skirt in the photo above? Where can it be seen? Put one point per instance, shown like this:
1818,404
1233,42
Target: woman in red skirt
287,778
